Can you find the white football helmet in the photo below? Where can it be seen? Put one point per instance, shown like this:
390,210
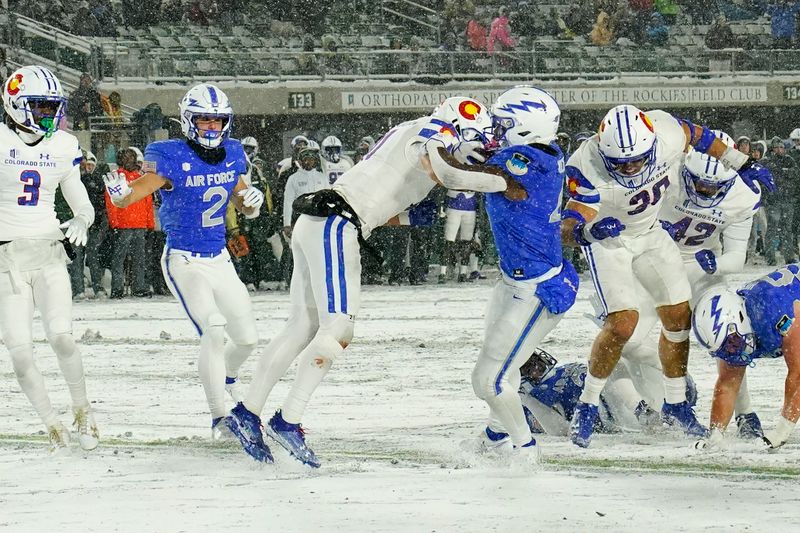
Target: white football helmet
469,118
314,145
706,179
205,100
721,325
250,145
332,148
628,145
34,99
795,135
525,115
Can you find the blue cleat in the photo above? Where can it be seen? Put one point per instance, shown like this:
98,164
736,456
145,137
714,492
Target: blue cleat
682,415
584,419
292,438
749,426
246,427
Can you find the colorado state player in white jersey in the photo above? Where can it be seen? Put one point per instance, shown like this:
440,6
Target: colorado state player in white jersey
399,172
196,178
537,285
37,159
616,182
334,163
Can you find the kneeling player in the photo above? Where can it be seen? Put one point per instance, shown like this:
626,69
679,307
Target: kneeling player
738,327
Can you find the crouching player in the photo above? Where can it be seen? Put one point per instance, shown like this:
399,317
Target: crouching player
738,327
537,285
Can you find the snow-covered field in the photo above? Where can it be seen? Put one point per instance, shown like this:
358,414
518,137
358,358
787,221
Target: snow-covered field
387,424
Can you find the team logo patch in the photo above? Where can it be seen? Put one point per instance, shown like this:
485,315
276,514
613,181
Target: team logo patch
783,325
646,121
518,165
14,85
572,185
469,109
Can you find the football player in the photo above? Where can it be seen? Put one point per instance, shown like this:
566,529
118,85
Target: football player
327,240
617,180
738,327
39,158
196,178
334,163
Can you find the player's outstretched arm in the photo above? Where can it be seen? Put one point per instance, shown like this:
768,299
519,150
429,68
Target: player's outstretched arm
575,215
790,413
729,379
445,170
124,194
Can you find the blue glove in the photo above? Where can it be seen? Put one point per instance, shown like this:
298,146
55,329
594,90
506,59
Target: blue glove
423,214
707,261
753,171
669,228
608,227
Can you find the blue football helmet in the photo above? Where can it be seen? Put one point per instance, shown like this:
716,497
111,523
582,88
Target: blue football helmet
205,100
525,115
627,145
721,325
706,179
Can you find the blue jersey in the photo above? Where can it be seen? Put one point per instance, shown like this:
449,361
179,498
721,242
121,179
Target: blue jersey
192,212
527,232
560,389
769,302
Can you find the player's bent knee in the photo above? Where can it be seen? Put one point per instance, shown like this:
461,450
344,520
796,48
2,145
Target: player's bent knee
483,381
622,324
215,328
324,348
21,358
63,344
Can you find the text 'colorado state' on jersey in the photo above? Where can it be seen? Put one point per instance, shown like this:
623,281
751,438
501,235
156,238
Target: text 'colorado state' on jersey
192,211
697,228
588,181
29,177
390,178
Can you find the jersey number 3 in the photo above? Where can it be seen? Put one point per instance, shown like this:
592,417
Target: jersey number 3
212,216
30,191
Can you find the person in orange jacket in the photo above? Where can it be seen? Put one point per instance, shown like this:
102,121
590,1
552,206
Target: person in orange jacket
130,226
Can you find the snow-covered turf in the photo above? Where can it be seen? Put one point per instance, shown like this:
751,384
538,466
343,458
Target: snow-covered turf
387,424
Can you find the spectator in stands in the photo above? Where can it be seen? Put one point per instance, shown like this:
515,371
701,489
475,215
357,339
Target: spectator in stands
741,9
743,145
500,33
641,6
130,226
580,17
757,150
783,16
92,176
84,102
657,32
780,204
476,35
668,9
85,23
602,33
112,106
700,11
720,35
364,146
555,25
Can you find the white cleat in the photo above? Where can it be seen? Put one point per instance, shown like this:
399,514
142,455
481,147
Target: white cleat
59,437
489,442
529,453
235,388
250,287
86,429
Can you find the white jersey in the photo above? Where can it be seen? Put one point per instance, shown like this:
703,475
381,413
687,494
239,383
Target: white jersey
390,178
589,182
299,183
334,170
29,177
700,228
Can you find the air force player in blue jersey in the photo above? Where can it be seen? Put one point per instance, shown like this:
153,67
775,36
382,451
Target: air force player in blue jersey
197,177
739,326
537,284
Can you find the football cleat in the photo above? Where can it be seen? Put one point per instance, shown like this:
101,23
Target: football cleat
530,452
584,419
493,442
246,427
292,438
86,428
749,426
682,415
220,431
475,274
442,279
647,416
235,388
59,437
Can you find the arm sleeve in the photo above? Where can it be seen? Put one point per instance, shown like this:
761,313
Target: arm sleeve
288,198
76,196
454,175
735,251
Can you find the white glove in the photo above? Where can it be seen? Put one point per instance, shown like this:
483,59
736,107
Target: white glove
76,231
117,186
715,440
469,152
252,198
775,438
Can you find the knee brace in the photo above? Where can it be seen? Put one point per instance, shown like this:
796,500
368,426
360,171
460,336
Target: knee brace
676,336
324,348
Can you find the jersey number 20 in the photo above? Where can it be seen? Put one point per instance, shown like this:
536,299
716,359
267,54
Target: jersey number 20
30,191
211,216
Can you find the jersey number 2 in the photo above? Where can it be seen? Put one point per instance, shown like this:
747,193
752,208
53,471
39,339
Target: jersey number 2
211,216
30,191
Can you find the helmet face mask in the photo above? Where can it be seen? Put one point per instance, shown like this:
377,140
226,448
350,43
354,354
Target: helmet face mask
206,115
34,100
250,146
332,148
705,178
721,325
